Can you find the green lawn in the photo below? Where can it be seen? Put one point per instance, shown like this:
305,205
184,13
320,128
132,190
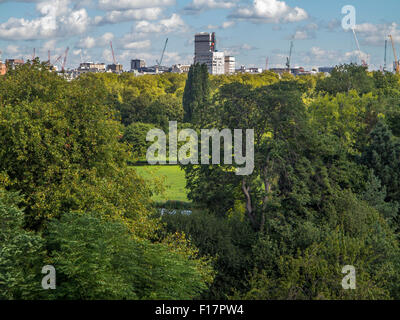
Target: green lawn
174,181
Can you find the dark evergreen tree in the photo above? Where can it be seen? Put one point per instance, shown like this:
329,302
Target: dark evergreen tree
196,94
383,156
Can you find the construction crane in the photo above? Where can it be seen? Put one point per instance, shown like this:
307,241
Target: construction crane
396,61
363,62
48,57
58,59
384,58
113,55
162,55
288,59
65,59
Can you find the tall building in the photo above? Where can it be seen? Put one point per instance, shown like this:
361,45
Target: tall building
205,53
12,63
137,64
230,65
3,68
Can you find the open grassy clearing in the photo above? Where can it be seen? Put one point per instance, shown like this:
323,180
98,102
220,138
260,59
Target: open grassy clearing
174,180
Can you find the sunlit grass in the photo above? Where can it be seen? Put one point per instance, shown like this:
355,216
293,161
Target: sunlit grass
174,179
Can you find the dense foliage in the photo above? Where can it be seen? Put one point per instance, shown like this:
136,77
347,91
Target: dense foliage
80,206
324,192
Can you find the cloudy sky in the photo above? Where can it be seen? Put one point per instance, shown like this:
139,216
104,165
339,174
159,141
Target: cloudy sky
252,30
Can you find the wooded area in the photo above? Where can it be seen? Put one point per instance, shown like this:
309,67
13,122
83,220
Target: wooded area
324,192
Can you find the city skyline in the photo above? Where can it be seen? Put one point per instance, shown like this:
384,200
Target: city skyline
249,30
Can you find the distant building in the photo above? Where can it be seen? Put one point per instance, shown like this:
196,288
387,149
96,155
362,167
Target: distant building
230,64
13,63
180,68
137,64
84,67
92,67
254,70
205,53
218,63
279,71
115,68
3,68
297,71
325,69
243,69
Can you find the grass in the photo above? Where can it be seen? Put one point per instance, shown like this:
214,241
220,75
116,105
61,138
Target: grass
174,181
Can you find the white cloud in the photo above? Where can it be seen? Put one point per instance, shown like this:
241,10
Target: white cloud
238,50
12,49
172,24
357,56
305,32
300,35
133,4
225,25
202,5
228,24
49,45
91,42
375,34
56,19
270,11
116,16
137,45
317,53
317,56
107,55
88,42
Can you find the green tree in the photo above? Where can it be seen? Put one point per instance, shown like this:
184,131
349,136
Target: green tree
228,239
22,253
345,78
353,234
382,154
97,258
197,93
61,148
135,134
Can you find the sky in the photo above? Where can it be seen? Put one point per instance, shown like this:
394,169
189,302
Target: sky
251,30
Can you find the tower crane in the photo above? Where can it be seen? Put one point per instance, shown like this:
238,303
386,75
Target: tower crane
363,62
58,59
384,59
65,59
288,59
162,55
396,61
112,51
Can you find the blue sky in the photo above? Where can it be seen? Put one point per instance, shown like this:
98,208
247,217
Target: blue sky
251,30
